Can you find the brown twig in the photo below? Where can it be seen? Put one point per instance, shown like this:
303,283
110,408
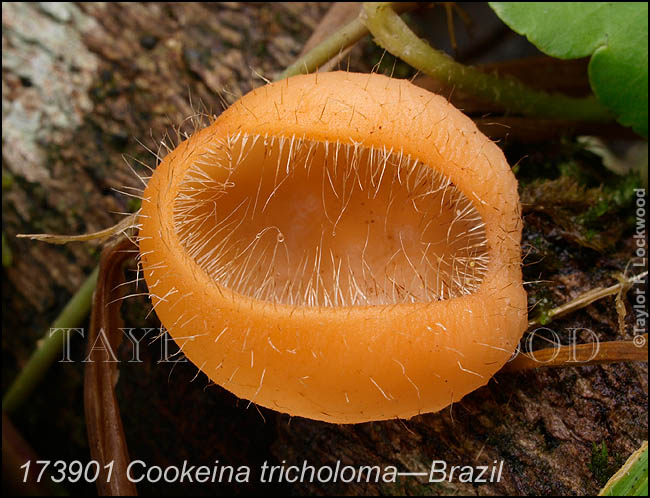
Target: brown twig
102,235
584,354
103,421
16,480
581,355
586,298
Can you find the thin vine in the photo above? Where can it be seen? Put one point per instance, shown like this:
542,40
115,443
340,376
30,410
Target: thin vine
393,34
50,346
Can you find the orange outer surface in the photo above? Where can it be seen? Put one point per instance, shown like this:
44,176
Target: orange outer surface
346,364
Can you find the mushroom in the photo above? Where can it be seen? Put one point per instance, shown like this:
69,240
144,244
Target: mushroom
339,246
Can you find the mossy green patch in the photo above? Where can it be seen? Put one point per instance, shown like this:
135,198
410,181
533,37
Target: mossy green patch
602,466
588,217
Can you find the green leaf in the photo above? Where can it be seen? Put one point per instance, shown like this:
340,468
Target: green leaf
614,34
632,478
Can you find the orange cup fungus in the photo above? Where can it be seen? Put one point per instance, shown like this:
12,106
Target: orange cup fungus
343,247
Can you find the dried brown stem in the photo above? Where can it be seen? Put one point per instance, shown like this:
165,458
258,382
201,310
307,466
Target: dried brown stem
581,355
586,298
105,433
102,235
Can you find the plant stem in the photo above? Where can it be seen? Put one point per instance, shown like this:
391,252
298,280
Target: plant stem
128,222
583,354
585,299
391,33
328,48
580,355
50,346
7,256
345,37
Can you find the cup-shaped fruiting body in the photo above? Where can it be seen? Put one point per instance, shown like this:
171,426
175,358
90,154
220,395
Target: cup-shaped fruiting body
343,247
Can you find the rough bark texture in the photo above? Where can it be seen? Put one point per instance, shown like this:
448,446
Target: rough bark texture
82,84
